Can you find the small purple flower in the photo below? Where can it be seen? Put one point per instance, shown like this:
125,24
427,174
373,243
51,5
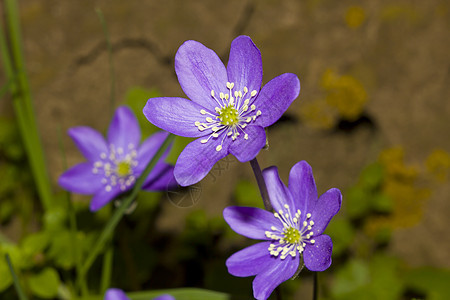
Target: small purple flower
293,230
114,165
228,111
118,294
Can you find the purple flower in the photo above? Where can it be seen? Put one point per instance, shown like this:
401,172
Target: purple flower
228,111
293,230
113,166
117,294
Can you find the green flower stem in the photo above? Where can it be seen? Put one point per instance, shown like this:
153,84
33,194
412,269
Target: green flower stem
114,220
21,95
19,290
106,270
261,184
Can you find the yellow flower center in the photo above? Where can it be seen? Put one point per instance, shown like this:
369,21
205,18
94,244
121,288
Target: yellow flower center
292,235
123,169
229,116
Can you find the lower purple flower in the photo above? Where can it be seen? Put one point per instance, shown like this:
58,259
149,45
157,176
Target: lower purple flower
294,229
114,165
117,294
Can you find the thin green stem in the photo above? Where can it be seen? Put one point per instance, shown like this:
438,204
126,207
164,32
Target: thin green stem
110,57
107,269
116,217
261,184
19,290
21,95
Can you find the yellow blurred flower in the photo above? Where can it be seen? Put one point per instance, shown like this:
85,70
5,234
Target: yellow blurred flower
355,16
438,164
344,93
317,114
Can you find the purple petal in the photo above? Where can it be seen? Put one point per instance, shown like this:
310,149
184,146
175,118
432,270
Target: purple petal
161,178
275,97
90,142
80,179
115,294
149,148
276,271
164,297
199,71
249,261
245,65
317,256
246,150
176,115
103,197
251,222
327,206
303,187
197,159
278,193
124,129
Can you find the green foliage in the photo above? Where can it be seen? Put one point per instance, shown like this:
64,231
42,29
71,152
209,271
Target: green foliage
136,99
181,294
378,278
432,282
246,193
44,284
366,196
342,233
5,275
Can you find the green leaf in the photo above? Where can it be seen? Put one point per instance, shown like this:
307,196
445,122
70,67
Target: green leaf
354,275
35,243
5,274
179,144
247,194
372,176
61,250
357,202
378,279
45,284
342,234
181,294
136,99
432,281
382,203
55,218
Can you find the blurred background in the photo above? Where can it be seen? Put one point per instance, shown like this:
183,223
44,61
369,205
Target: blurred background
372,119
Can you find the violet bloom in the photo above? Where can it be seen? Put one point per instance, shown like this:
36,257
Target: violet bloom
113,166
117,294
293,230
228,111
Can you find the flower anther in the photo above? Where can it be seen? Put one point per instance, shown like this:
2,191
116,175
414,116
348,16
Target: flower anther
232,114
117,167
292,236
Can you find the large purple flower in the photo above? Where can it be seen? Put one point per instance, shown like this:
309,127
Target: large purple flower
228,111
113,166
293,230
117,294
